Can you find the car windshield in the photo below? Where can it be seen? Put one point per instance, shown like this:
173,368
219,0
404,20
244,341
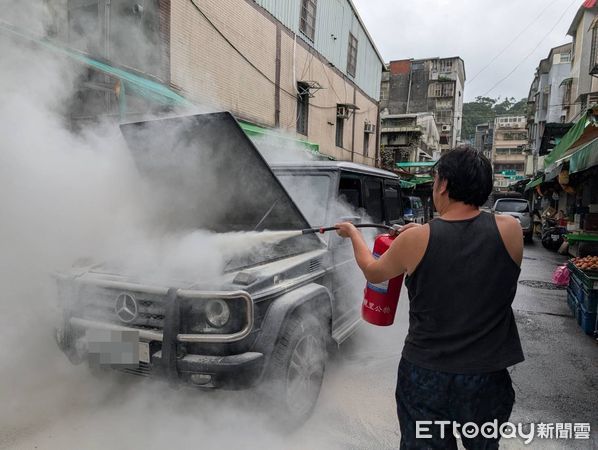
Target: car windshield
518,206
310,192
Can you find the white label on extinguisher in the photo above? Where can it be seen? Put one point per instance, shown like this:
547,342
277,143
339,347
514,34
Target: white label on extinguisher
379,287
382,288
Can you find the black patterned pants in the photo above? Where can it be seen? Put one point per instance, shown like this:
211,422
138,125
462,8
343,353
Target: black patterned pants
428,395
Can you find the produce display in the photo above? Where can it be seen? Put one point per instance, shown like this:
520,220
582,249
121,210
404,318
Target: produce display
586,263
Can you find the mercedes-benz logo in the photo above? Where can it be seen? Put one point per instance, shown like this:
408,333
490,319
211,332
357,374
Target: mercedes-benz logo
126,307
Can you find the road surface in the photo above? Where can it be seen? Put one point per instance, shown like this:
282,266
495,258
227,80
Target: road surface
59,406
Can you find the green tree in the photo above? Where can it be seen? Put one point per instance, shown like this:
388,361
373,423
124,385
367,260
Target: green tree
485,109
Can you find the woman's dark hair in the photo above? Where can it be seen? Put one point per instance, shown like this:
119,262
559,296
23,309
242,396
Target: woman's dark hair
468,174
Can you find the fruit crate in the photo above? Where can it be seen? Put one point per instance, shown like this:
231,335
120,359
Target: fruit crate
585,296
572,301
586,320
587,278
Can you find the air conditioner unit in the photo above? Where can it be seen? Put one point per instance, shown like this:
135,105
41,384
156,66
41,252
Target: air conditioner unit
342,112
369,127
446,128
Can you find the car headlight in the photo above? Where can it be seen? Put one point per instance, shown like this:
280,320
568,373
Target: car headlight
217,313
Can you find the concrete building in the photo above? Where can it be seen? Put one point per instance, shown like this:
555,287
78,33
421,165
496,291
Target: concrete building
484,138
308,68
408,138
549,102
584,62
508,150
427,85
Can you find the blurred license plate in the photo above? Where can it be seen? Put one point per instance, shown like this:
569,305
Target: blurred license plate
118,349
144,354
555,237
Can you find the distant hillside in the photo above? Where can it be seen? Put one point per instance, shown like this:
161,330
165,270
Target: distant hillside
485,109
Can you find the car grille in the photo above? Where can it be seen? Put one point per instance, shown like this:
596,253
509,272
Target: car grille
100,304
144,370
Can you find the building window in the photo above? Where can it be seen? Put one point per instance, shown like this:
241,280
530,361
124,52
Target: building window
340,128
384,92
302,108
442,89
565,57
366,144
307,24
446,65
352,55
594,48
444,116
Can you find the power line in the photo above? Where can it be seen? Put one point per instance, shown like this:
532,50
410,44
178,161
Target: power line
499,54
257,69
533,50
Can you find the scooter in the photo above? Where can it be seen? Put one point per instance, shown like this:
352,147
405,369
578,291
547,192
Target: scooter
553,235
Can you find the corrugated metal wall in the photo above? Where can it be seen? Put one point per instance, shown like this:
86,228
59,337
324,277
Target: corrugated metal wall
334,21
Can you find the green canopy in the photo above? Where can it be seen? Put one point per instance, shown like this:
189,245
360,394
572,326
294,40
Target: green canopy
422,180
568,139
407,184
403,165
584,157
253,130
535,182
138,84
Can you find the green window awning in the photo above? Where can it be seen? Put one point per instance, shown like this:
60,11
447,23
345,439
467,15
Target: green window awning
533,183
407,184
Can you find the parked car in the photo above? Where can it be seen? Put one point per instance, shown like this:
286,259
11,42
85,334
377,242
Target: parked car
272,316
518,208
413,210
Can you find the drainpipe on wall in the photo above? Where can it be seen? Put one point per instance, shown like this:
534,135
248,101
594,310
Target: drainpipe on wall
353,125
277,77
377,154
409,90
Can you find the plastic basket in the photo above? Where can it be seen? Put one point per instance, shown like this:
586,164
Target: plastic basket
585,296
571,301
587,279
587,320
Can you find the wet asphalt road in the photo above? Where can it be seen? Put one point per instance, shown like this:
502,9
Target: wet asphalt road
558,382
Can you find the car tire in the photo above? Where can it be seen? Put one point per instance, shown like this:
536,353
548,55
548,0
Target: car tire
528,238
296,370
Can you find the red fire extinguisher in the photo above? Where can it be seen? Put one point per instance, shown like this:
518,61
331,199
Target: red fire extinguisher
380,300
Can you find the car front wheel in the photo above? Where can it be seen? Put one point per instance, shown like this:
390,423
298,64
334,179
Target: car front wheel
297,370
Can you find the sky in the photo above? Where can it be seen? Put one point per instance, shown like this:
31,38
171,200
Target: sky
508,34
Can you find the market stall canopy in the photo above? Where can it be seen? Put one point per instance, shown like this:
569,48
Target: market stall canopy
535,182
422,180
566,142
137,83
270,135
404,165
553,133
407,184
583,157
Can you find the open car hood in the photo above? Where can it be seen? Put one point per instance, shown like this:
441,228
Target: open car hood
203,172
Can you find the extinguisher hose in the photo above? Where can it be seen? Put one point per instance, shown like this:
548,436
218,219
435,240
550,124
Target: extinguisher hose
358,225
